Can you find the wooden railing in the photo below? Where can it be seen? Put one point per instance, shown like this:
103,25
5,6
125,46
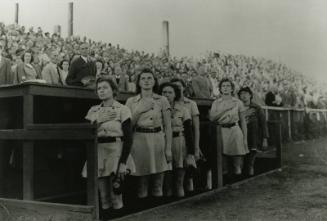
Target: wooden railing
54,132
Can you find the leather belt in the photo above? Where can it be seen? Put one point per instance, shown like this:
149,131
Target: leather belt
178,133
228,125
109,139
148,130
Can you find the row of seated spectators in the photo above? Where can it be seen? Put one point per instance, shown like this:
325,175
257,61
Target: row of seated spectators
34,54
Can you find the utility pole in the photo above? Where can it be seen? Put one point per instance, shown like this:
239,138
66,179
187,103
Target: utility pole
70,19
16,13
165,33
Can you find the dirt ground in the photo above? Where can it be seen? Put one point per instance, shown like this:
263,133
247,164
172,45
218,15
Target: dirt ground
298,192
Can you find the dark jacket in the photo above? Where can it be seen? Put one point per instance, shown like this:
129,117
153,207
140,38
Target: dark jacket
256,126
78,70
6,76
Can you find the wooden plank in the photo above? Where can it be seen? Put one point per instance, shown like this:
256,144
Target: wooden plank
21,134
92,176
77,126
63,92
28,170
2,168
219,157
279,144
11,209
28,149
217,169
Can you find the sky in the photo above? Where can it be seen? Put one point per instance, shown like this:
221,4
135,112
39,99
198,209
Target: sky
293,32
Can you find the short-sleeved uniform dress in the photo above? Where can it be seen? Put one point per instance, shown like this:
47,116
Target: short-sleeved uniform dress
148,149
179,150
191,106
109,153
233,143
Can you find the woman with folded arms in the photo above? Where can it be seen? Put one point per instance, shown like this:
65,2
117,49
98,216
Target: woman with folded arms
256,126
114,142
228,112
151,149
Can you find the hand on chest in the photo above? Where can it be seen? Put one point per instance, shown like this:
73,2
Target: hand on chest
108,114
176,117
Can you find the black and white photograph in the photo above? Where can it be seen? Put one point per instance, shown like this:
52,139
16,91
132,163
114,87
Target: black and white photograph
163,110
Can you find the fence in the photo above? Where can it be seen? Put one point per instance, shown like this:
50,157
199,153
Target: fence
299,124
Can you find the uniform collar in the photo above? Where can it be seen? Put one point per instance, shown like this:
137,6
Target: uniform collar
115,104
154,96
186,100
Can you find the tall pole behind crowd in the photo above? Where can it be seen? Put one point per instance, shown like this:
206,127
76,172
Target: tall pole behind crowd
16,13
70,19
165,32
57,29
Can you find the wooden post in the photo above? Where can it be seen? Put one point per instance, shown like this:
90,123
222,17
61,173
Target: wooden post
92,177
28,151
16,13
267,114
278,144
70,19
2,168
289,124
217,170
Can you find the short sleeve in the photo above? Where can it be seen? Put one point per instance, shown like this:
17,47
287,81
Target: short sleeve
194,109
125,113
187,114
165,104
241,107
129,103
213,108
92,114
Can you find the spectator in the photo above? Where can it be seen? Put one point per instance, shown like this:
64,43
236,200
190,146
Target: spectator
50,72
201,85
273,98
25,71
82,71
5,69
63,68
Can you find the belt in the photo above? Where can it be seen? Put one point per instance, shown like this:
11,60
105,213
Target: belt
109,139
228,125
148,130
178,133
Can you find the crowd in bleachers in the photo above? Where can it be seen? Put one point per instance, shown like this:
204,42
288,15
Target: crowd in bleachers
274,84
156,137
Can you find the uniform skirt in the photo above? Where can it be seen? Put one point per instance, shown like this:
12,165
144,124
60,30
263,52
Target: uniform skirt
179,152
233,143
148,152
108,159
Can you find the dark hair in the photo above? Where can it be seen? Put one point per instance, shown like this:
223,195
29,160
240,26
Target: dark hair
245,89
176,89
112,84
61,63
178,80
23,55
99,60
226,80
138,78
